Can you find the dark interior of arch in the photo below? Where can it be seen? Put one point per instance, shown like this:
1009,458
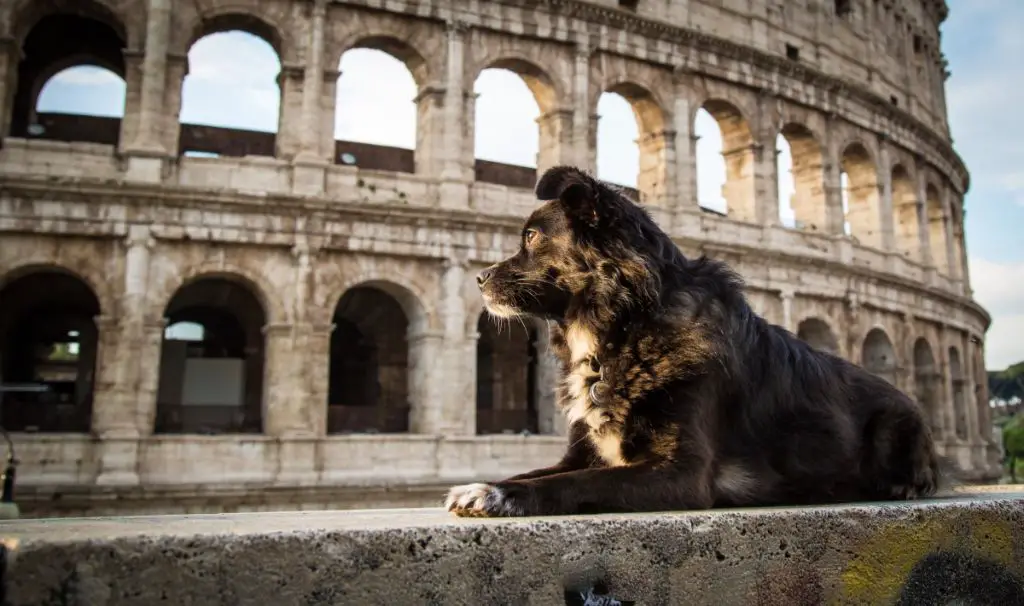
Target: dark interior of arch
48,336
368,385
879,356
59,41
215,384
926,382
818,335
506,378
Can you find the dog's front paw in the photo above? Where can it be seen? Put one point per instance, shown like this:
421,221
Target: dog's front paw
484,500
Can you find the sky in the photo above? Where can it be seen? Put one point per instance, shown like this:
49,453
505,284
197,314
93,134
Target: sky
232,83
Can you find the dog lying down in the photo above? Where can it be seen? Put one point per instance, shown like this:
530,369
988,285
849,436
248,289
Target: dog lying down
679,396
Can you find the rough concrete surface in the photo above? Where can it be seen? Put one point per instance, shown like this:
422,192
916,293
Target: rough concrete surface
968,548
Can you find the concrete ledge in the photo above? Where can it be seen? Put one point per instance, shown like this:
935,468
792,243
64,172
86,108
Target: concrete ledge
963,548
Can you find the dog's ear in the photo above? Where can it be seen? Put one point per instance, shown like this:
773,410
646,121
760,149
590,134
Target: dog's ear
578,191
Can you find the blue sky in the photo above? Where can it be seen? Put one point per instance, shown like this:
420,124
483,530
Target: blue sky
232,83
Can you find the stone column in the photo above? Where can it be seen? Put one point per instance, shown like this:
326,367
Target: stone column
786,295
170,131
430,125
145,151
657,159
585,148
556,138
766,178
551,421
923,225
10,55
885,211
685,168
835,218
456,138
133,80
312,84
288,140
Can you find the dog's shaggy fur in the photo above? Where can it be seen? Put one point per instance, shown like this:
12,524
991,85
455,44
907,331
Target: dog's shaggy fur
678,395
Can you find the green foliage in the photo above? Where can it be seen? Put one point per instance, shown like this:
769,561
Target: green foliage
1013,436
1005,384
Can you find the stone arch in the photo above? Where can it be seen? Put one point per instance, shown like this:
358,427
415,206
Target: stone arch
414,301
653,141
927,384
75,266
808,177
959,384
370,366
819,335
49,338
493,165
213,358
17,18
267,294
507,376
878,355
57,37
905,216
938,228
372,56
860,193
738,154
235,26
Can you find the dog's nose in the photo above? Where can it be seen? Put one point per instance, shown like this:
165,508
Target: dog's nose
484,276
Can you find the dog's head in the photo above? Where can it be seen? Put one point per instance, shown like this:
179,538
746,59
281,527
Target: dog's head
588,249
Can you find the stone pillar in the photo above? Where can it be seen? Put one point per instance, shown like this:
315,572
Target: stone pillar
786,295
550,420
146,152
288,140
177,69
312,84
923,225
766,181
133,80
456,155
585,147
10,55
885,209
556,139
685,166
835,218
285,410
430,125
657,159
947,212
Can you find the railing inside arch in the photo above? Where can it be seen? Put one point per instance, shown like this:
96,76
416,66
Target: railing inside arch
213,141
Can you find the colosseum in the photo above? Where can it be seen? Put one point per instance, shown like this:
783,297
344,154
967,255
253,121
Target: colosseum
291,321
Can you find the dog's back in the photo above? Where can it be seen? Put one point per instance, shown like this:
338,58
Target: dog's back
817,428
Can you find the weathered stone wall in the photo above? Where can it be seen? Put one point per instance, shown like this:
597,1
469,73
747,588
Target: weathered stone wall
958,550
296,227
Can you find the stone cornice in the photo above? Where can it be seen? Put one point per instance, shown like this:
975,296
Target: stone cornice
316,210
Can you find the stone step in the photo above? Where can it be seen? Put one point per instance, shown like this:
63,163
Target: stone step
936,551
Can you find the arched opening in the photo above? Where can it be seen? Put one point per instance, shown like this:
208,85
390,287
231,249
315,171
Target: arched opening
938,229
70,83
859,180
801,179
818,335
510,142
926,383
956,375
906,218
48,341
506,378
632,155
879,356
618,135
368,385
725,184
231,96
375,112
212,359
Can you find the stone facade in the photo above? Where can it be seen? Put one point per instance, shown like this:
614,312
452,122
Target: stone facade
341,296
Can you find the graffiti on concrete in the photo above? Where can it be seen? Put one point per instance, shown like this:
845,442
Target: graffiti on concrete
596,595
966,560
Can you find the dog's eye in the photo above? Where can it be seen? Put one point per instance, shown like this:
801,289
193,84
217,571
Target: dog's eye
530,235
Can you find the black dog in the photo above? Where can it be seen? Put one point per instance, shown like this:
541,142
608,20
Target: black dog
678,395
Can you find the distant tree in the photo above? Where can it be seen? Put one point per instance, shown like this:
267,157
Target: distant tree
1005,384
1013,443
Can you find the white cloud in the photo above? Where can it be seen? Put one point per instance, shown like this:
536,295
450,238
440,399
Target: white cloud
999,288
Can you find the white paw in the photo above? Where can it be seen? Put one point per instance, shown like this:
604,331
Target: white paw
472,499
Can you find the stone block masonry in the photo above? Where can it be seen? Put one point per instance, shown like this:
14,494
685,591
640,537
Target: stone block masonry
961,549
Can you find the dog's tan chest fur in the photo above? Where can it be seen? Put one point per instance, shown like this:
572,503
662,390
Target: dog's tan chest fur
606,438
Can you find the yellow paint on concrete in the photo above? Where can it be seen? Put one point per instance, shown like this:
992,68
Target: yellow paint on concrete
883,563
